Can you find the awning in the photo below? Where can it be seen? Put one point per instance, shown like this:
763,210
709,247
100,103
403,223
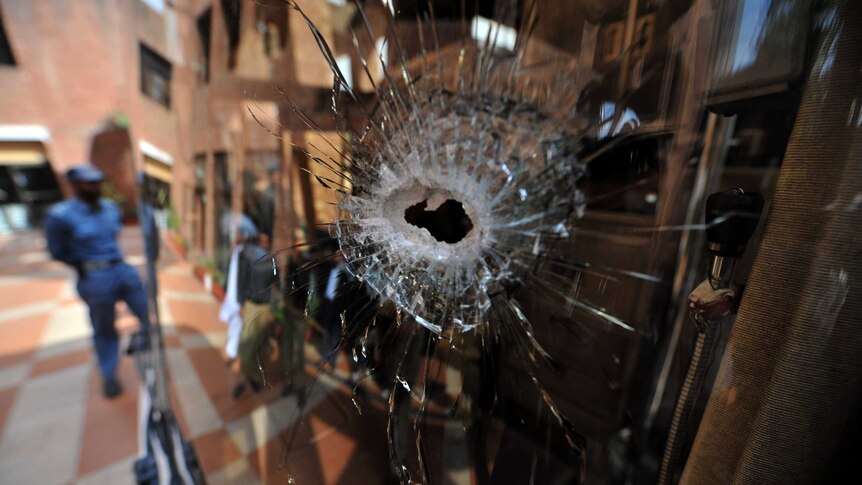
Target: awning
156,153
22,153
157,162
157,170
16,133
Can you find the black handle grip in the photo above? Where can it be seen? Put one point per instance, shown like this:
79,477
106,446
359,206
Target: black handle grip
731,218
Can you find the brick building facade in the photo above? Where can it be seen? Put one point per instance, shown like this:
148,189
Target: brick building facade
179,89
166,87
77,73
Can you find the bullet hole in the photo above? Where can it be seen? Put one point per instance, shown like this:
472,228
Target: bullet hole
448,223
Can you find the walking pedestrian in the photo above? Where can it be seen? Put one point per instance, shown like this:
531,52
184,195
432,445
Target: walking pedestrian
230,310
257,290
82,232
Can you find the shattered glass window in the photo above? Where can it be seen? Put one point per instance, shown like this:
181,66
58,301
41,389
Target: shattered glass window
431,241
507,241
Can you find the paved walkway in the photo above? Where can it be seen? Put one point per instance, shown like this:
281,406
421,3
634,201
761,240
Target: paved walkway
55,427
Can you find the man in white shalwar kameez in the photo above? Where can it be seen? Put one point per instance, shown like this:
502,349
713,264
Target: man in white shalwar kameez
229,312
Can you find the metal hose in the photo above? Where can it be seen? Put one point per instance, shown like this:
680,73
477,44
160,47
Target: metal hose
697,367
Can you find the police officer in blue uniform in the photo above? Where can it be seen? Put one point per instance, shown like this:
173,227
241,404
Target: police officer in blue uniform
82,232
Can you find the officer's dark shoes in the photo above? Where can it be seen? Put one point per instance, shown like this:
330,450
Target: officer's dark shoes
111,388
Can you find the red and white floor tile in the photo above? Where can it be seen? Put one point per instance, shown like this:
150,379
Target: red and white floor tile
56,428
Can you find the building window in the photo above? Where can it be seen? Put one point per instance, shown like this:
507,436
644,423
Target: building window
272,24
6,56
231,11
223,206
204,23
155,76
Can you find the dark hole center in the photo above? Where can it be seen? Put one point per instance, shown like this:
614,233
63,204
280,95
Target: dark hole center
449,223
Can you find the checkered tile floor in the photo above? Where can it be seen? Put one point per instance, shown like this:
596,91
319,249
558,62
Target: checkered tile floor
55,427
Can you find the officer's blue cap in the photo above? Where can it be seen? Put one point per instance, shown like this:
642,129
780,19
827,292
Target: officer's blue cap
84,173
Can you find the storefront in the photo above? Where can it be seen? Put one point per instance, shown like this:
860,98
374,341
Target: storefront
28,185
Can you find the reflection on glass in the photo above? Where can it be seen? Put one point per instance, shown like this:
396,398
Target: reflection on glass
461,241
